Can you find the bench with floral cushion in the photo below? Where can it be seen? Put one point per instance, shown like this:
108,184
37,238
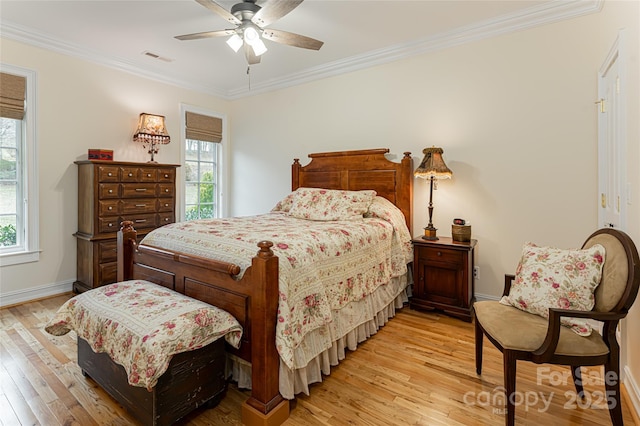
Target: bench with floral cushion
156,351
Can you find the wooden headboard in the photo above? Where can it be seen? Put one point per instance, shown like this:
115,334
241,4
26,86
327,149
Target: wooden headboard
358,170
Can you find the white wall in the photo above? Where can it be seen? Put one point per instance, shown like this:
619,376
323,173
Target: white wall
514,114
82,105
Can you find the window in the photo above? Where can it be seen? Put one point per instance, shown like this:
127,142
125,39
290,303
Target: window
203,134
200,179
18,185
10,186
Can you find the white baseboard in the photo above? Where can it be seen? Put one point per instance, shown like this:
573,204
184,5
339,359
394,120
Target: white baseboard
480,297
21,296
633,390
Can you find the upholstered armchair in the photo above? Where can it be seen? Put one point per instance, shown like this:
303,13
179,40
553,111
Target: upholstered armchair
521,335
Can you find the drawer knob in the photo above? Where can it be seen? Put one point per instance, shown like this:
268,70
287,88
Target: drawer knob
166,205
110,225
130,174
166,219
166,190
148,174
439,253
109,174
141,189
111,191
167,176
110,208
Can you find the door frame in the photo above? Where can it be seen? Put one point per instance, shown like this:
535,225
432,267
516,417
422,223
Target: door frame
617,55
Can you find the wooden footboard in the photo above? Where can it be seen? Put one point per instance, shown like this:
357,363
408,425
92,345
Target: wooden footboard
252,300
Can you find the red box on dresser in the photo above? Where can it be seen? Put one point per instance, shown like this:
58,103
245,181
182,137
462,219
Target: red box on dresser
100,154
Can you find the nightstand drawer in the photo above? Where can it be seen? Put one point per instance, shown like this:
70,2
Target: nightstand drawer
438,254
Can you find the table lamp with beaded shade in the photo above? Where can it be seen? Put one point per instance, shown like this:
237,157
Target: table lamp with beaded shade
151,132
432,167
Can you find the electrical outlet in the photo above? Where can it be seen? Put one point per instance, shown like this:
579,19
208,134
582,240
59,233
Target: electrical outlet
476,272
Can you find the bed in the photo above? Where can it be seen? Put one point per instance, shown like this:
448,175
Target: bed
249,288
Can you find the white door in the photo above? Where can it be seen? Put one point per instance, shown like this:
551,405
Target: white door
612,184
612,153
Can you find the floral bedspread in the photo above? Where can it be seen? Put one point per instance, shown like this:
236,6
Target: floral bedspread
323,265
142,325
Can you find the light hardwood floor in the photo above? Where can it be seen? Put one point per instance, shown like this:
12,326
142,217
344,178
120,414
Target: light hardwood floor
417,370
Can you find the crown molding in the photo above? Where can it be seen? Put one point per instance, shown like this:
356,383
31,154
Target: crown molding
35,38
554,11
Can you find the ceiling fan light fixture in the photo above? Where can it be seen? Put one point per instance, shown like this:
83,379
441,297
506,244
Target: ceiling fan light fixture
251,36
250,20
258,47
235,42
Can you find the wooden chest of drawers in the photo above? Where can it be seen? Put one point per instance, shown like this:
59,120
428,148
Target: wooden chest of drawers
108,193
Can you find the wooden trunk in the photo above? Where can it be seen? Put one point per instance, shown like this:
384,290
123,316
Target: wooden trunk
193,379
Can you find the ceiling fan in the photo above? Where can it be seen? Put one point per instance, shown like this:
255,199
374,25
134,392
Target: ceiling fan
251,20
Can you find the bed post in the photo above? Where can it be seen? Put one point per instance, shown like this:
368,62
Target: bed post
406,181
126,243
265,407
295,174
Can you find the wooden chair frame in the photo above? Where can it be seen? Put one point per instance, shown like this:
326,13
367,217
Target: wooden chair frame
546,352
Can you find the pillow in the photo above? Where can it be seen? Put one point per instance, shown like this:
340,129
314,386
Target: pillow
384,209
548,277
330,204
381,208
284,205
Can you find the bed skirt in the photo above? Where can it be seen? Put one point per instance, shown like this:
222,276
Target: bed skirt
351,325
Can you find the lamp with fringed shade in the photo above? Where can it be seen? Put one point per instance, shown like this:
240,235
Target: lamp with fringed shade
432,167
151,132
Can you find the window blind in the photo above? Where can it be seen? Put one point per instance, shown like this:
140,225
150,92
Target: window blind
203,127
12,95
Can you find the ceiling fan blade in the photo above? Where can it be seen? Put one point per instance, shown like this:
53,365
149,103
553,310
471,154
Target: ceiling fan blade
272,10
206,34
215,7
251,57
292,39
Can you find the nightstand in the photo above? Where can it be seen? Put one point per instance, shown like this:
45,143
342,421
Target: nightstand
443,276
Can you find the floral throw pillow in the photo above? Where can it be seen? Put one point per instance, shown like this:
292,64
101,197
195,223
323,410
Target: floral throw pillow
330,204
285,204
548,277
